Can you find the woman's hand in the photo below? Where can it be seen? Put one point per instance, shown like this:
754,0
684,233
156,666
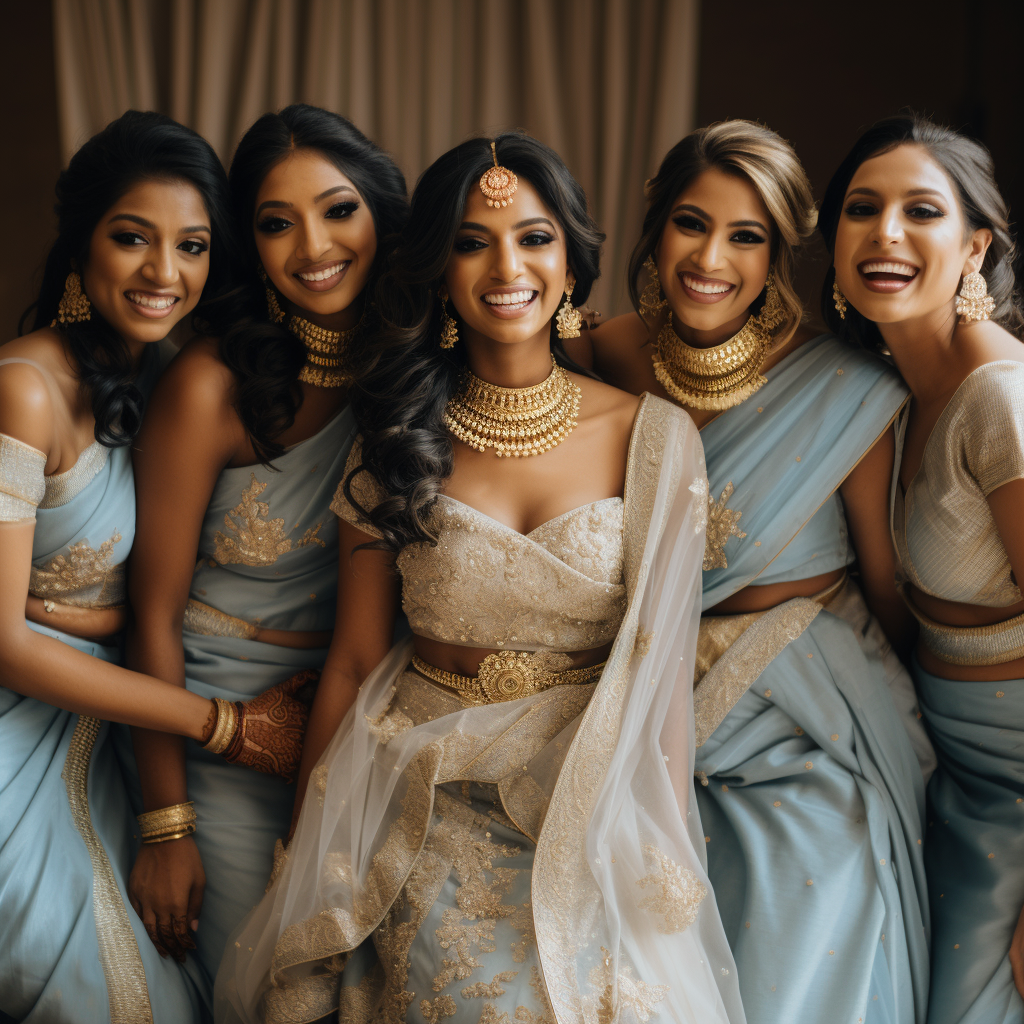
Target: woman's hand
166,889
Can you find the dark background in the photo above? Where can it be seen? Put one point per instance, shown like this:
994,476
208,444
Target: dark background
817,73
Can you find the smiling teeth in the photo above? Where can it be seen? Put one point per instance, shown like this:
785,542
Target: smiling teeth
706,287
152,302
323,275
878,267
509,299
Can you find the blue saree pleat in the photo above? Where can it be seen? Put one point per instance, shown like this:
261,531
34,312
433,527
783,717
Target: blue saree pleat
812,796
975,849
71,946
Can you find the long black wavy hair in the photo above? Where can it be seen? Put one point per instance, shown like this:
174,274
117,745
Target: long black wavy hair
139,146
968,165
404,378
263,356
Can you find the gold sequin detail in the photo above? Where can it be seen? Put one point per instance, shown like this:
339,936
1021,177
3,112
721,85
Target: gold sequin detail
722,524
84,576
679,892
203,620
254,539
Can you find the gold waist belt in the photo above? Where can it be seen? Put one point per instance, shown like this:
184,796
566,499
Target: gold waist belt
971,645
206,621
509,675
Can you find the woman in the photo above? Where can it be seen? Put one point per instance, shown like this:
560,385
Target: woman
919,234
474,843
242,448
810,793
142,229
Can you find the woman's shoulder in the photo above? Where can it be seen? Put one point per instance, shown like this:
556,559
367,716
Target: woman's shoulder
197,373
620,334
30,371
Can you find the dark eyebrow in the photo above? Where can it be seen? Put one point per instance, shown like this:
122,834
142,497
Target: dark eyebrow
471,225
142,222
533,220
911,192
749,224
332,191
690,208
279,204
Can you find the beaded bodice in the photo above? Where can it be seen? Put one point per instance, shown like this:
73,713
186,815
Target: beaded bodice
558,588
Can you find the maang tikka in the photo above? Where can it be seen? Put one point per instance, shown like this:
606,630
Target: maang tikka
498,183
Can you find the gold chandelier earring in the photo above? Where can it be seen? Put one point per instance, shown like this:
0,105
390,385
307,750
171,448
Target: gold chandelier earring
974,302
449,328
652,298
74,305
839,299
274,311
569,318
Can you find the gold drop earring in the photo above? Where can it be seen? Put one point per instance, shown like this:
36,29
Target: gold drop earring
569,318
74,305
652,298
974,302
274,311
449,328
839,299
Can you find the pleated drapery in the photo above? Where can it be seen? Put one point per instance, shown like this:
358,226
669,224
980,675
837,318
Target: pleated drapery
608,83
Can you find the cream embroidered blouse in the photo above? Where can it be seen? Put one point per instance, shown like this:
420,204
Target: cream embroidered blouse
558,588
945,535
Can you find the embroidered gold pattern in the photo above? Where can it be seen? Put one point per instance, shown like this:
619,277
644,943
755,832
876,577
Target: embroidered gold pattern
62,487
83,576
699,488
206,621
127,992
679,896
644,639
22,485
721,525
634,993
254,539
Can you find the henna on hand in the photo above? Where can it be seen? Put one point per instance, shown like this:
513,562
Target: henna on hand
270,729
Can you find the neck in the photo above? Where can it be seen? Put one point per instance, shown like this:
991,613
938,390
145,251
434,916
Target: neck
924,352
510,366
344,320
708,339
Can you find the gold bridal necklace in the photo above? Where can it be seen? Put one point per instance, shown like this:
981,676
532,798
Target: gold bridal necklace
325,352
515,422
724,375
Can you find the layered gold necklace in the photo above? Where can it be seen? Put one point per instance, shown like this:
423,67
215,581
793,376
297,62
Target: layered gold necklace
515,422
325,352
724,375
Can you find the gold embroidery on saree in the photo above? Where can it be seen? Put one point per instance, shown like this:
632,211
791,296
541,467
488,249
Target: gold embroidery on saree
83,576
634,994
722,524
254,539
679,892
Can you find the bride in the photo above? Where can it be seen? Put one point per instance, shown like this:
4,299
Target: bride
497,814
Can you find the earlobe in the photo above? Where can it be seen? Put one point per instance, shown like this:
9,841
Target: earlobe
980,242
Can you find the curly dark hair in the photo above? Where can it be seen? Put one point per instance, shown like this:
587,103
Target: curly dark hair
264,357
404,379
968,165
139,146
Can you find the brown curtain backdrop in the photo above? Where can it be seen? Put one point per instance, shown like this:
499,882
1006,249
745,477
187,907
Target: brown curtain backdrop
609,84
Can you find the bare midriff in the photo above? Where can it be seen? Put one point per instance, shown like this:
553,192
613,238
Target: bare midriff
953,613
465,661
97,624
755,598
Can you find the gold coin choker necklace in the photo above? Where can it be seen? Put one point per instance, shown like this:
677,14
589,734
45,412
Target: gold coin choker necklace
325,352
515,422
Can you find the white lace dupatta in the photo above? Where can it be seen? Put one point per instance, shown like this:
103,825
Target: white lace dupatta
627,929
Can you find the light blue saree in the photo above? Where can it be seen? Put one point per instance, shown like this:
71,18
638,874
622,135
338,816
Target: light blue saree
811,795
71,946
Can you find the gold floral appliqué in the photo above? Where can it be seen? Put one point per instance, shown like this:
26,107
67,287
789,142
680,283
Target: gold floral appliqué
679,893
254,539
722,524
633,993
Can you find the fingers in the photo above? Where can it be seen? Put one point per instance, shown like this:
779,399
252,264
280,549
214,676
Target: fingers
149,923
195,905
304,681
167,933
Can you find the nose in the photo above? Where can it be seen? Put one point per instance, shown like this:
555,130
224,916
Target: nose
161,268
889,230
708,256
315,241
508,263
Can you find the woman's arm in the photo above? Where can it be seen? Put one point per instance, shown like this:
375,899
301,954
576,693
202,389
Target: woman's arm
190,432
369,591
865,494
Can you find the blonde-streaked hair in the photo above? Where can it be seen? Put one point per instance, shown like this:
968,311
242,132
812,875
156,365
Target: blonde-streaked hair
765,159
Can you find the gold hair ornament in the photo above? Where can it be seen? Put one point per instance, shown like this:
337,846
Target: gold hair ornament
74,305
498,183
724,375
449,328
839,299
974,302
652,299
569,318
515,422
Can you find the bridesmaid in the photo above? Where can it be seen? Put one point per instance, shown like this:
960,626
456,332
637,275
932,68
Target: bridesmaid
811,797
143,227
242,448
919,234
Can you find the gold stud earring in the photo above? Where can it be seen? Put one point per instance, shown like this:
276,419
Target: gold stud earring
974,302
569,318
652,299
274,311
74,305
449,328
839,299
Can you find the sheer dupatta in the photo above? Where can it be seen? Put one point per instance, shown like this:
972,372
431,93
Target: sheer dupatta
600,776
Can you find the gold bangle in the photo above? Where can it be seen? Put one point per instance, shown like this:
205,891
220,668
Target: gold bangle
167,819
224,729
149,840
